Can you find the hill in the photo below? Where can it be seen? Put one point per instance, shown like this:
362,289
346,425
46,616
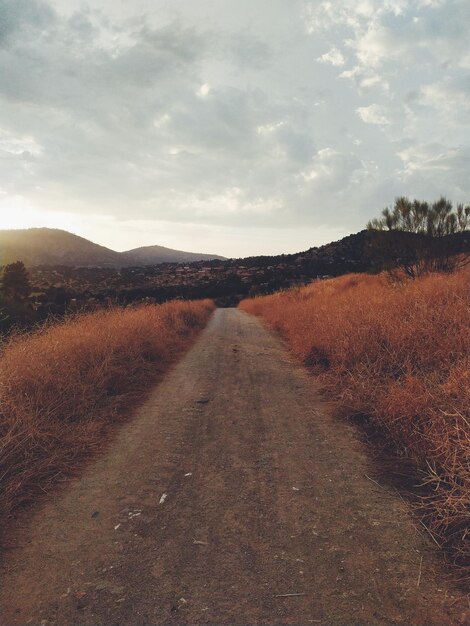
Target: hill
49,246
152,255
365,251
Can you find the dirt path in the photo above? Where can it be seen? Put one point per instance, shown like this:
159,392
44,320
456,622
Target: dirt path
265,496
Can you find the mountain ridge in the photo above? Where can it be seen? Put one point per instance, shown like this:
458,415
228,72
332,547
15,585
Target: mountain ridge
357,252
54,246
146,253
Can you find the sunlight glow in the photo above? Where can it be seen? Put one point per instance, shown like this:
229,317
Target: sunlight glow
15,215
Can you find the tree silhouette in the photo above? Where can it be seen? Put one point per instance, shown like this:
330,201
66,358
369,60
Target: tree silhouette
436,220
428,240
15,282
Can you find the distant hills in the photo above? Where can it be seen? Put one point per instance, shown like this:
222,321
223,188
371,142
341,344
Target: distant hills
361,252
50,246
152,255
365,251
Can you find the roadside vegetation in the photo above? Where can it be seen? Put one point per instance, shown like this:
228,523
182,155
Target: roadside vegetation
395,353
63,387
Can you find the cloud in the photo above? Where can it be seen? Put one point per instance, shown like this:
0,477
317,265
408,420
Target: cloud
231,115
203,90
327,15
386,32
433,169
435,158
330,168
365,78
373,114
334,57
137,122
23,15
450,98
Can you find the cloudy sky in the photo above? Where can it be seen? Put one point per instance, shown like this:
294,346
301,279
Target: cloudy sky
229,126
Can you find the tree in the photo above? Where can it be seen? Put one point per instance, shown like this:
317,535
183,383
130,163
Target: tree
436,220
3,315
431,244
15,282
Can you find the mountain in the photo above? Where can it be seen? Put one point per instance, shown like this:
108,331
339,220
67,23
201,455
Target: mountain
360,252
50,246
152,255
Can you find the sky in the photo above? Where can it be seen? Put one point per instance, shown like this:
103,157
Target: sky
234,127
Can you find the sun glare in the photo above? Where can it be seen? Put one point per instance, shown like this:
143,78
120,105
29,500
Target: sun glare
15,217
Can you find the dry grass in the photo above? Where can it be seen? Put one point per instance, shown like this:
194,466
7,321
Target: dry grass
398,353
63,387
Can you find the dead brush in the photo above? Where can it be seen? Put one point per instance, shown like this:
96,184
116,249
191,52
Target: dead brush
398,352
63,387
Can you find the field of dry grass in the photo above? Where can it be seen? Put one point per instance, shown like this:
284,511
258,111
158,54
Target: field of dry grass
64,386
397,354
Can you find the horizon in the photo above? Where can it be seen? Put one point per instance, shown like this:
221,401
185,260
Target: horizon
69,232
236,128
179,249
157,245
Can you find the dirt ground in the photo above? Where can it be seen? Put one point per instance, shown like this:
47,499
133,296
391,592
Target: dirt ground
232,497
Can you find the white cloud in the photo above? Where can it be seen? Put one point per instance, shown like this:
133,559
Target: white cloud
269,128
373,114
434,169
328,15
366,78
204,90
334,57
382,31
450,98
330,168
23,146
434,158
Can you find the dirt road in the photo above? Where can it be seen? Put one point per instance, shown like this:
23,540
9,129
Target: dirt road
231,498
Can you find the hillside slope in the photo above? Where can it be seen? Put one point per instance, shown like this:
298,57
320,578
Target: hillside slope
50,246
359,252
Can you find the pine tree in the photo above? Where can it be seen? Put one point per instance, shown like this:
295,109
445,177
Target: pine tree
429,244
15,282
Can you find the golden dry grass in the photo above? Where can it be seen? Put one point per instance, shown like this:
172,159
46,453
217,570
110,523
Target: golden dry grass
398,353
63,387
